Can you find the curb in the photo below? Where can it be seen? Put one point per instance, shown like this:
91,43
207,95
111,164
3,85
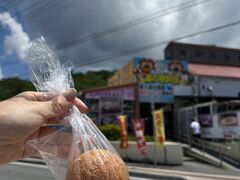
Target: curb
153,175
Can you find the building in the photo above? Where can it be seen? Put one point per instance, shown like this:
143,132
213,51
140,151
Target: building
145,84
203,54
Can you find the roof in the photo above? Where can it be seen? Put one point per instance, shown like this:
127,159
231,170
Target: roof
214,70
173,43
108,88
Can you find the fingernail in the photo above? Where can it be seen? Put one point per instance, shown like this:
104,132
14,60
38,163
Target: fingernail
70,94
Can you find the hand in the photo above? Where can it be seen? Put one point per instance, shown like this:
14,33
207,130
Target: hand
22,118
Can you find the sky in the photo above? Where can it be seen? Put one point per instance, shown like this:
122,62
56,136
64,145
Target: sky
79,30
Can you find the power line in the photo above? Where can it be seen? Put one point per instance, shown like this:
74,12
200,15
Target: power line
48,7
99,59
30,9
10,4
132,23
40,4
37,9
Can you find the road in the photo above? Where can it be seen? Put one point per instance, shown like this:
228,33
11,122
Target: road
28,171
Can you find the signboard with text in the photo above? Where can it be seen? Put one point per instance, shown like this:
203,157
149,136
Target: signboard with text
156,92
123,92
164,71
157,78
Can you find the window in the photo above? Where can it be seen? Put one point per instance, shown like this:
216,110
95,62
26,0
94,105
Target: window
203,110
183,52
168,54
212,55
226,56
221,108
238,58
198,54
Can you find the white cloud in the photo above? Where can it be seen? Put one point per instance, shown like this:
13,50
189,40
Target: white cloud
17,41
81,18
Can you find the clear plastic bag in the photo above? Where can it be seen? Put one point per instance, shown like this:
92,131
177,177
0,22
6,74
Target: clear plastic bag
78,150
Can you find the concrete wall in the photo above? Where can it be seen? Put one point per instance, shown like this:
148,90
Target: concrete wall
182,90
171,153
221,87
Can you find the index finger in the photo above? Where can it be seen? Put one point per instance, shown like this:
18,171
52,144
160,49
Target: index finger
80,105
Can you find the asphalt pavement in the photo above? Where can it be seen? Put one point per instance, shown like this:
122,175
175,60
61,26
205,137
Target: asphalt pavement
35,169
30,171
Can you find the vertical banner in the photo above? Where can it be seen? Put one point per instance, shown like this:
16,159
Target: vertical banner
124,134
158,118
138,128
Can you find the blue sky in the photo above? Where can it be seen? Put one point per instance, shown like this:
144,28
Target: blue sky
11,65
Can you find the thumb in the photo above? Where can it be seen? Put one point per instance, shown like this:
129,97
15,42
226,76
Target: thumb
58,105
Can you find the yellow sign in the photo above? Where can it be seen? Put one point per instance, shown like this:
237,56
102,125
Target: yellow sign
164,79
158,118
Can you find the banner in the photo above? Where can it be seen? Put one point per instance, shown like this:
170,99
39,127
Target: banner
124,134
138,128
158,118
165,71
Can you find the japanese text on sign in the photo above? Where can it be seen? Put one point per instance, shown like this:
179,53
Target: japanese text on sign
165,79
159,126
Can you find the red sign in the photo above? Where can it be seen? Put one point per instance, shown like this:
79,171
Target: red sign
124,134
138,128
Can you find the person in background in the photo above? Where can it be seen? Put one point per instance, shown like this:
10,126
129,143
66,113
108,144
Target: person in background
196,129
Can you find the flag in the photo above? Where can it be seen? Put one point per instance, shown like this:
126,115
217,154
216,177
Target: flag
158,118
138,128
124,134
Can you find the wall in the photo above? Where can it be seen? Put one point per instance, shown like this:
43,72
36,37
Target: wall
173,51
217,127
181,90
221,87
122,76
172,155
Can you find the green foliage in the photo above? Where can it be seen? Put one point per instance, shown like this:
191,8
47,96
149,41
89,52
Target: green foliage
111,131
147,137
11,86
131,138
91,79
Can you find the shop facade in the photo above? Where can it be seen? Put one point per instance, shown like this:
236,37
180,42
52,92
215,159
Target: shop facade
141,86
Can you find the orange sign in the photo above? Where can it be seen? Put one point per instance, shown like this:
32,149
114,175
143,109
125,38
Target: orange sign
124,134
158,118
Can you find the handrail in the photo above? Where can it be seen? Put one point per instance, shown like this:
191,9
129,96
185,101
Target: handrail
217,150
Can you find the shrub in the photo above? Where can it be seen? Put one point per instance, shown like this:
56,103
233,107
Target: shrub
111,131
